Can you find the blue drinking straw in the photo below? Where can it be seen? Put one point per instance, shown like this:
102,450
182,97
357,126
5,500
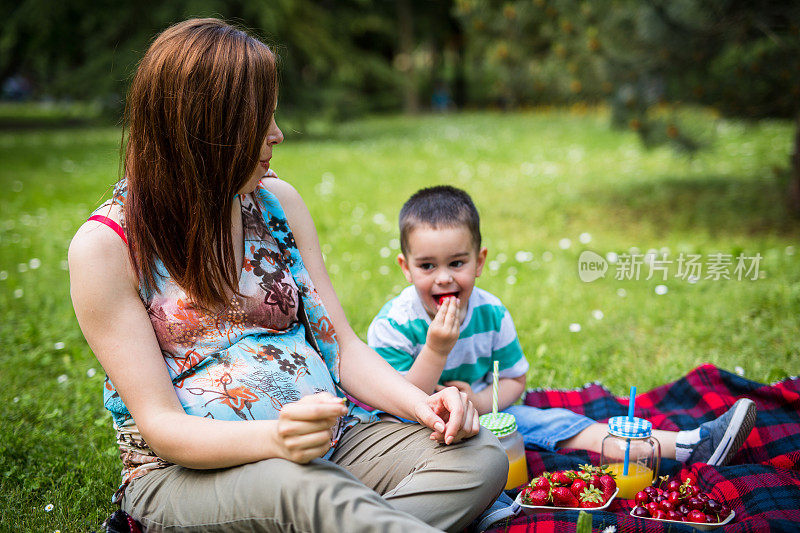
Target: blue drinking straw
631,401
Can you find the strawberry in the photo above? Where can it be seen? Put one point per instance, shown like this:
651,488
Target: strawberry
562,497
608,486
541,482
560,478
578,486
536,497
591,498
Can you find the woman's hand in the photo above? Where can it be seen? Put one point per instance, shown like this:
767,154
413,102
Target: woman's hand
305,427
449,414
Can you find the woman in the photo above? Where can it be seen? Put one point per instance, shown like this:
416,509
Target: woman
202,291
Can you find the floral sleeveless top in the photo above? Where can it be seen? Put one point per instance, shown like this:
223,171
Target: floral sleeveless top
268,348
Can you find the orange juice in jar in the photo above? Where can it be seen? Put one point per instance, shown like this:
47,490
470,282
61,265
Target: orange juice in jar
504,427
630,441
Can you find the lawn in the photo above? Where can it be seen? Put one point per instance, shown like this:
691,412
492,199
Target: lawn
549,184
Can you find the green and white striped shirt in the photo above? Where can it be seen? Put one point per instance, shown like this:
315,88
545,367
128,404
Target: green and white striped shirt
487,334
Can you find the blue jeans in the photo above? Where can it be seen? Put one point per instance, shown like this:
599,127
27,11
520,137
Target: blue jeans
547,427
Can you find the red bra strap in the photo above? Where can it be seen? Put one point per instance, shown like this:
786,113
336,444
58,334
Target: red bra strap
111,224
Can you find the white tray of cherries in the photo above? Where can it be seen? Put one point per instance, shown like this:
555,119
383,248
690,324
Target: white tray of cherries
680,500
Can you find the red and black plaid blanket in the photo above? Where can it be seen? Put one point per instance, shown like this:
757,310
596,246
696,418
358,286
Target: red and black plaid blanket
761,483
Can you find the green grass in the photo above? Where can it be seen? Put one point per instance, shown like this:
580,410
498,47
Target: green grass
537,178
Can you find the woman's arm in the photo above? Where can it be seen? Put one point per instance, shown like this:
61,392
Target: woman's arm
118,330
364,374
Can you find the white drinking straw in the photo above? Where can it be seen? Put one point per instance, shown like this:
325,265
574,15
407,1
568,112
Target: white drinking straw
494,388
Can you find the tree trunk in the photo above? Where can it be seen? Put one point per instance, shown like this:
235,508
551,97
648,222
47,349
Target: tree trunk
794,169
405,28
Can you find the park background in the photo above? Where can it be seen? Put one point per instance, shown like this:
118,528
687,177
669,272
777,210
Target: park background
616,126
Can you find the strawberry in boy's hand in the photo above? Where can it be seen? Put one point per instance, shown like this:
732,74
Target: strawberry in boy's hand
444,329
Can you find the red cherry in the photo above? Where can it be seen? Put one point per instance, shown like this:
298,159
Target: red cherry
696,503
673,485
666,506
694,490
724,511
675,497
674,515
641,512
642,498
652,507
696,516
710,519
659,515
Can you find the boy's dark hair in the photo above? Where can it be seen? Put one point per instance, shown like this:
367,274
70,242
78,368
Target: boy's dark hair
442,206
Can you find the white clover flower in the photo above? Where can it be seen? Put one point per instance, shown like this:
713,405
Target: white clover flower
585,238
511,280
49,507
59,346
612,257
622,293
523,256
598,314
3,275
383,270
91,372
34,263
16,399
564,243
661,289
22,267
18,293
62,378
385,252
394,244
574,327
739,370
494,266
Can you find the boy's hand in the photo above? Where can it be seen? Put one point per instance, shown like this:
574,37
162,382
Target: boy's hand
444,329
462,386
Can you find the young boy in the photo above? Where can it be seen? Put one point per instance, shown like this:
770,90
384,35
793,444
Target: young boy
443,331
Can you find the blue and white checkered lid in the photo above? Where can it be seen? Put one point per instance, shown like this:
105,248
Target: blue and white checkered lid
630,428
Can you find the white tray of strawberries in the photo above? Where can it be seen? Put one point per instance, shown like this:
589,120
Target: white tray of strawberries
590,488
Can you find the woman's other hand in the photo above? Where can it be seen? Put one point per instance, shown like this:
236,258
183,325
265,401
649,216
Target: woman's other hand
305,427
450,415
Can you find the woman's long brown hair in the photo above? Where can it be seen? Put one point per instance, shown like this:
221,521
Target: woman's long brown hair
197,113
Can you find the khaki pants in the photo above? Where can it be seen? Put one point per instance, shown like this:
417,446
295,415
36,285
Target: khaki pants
383,476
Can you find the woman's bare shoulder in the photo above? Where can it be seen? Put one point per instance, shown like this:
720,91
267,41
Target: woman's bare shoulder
283,190
97,249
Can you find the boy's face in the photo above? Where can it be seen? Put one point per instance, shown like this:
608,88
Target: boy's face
442,262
